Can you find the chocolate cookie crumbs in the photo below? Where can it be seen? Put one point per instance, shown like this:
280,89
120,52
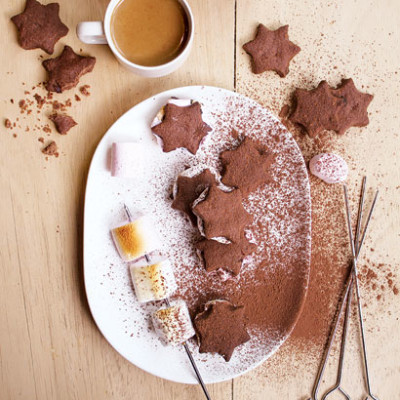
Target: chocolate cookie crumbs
84,90
7,123
63,123
51,149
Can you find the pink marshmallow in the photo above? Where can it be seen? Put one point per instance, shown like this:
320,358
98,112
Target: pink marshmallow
126,159
329,167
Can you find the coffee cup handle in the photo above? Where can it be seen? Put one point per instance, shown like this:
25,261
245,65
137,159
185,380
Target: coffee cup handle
91,32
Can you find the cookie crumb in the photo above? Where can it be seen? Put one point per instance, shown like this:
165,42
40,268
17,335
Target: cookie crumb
84,90
7,123
51,149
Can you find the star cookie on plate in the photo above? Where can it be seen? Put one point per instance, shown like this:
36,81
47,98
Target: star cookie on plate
39,26
221,214
271,50
247,167
182,127
230,257
220,328
188,189
65,70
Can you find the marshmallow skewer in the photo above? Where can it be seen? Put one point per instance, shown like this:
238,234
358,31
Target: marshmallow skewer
185,346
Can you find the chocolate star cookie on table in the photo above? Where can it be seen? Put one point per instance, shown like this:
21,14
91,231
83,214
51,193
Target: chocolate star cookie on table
39,26
63,123
230,257
271,50
353,106
220,328
316,110
182,127
326,108
247,167
188,189
65,70
221,214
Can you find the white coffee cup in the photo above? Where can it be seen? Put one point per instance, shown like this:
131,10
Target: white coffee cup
99,32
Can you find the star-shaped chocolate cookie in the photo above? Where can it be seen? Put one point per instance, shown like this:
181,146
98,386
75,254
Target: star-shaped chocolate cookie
271,50
229,257
326,108
353,106
182,127
65,70
247,167
222,214
316,110
188,189
63,123
220,328
39,26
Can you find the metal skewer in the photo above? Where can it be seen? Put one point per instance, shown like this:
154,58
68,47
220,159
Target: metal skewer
358,296
185,346
346,291
338,383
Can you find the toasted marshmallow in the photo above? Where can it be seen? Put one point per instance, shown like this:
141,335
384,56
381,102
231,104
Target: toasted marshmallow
127,159
161,112
153,282
136,239
173,324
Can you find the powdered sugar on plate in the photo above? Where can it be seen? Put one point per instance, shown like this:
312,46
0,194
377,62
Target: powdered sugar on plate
272,283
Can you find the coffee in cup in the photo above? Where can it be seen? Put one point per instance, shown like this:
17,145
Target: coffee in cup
149,32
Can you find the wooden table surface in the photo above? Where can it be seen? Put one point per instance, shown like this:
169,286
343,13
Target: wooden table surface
50,348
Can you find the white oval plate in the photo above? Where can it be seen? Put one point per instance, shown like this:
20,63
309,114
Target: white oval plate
125,323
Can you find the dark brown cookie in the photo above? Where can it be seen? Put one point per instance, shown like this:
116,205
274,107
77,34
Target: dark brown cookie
39,26
182,127
326,108
51,149
353,106
65,70
63,123
222,214
271,50
220,328
229,257
247,167
188,189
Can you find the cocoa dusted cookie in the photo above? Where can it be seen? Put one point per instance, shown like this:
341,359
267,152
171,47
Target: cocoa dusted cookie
65,70
188,189
230,257
220,328
326,108
182,127
247,167
353,106
39,26
271,50
221,214
63,123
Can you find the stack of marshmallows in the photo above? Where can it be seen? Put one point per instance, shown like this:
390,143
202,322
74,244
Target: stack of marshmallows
153,278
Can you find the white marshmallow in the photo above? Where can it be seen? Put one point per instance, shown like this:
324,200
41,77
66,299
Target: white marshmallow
173,324
329,167
127,159
153,282
136,239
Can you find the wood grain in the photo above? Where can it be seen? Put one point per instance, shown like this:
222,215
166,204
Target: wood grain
50,347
